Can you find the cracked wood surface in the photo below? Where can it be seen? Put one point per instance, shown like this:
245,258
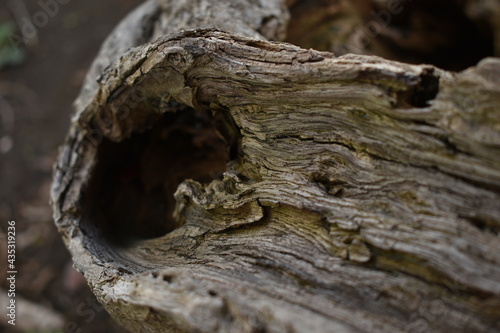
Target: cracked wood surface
359,194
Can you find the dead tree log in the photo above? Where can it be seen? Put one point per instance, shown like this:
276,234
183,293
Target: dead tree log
219,182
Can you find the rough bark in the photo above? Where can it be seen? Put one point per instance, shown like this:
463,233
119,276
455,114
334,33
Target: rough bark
213,182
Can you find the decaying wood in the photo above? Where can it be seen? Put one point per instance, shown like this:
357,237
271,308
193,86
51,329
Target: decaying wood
213,182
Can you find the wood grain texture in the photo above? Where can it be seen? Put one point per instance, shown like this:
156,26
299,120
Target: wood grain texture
360,194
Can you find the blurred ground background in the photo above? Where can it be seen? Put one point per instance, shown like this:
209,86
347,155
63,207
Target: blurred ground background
38,84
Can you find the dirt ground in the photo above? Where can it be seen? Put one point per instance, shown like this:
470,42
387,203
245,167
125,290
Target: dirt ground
35,108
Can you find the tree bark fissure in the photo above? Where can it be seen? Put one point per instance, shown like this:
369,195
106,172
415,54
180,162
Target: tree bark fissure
327,193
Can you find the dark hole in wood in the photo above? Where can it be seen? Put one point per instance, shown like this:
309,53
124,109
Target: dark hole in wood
426,91
134,180
330,186
422,93
425,31
484,224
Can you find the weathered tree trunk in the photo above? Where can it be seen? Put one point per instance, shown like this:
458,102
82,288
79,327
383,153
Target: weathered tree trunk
213,182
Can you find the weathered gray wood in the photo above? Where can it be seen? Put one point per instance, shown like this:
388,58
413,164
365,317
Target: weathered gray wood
361,194
155,18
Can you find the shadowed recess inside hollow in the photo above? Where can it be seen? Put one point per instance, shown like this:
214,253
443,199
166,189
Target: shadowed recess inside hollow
425,31
134,180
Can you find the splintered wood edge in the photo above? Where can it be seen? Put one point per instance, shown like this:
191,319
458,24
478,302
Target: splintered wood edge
364,188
